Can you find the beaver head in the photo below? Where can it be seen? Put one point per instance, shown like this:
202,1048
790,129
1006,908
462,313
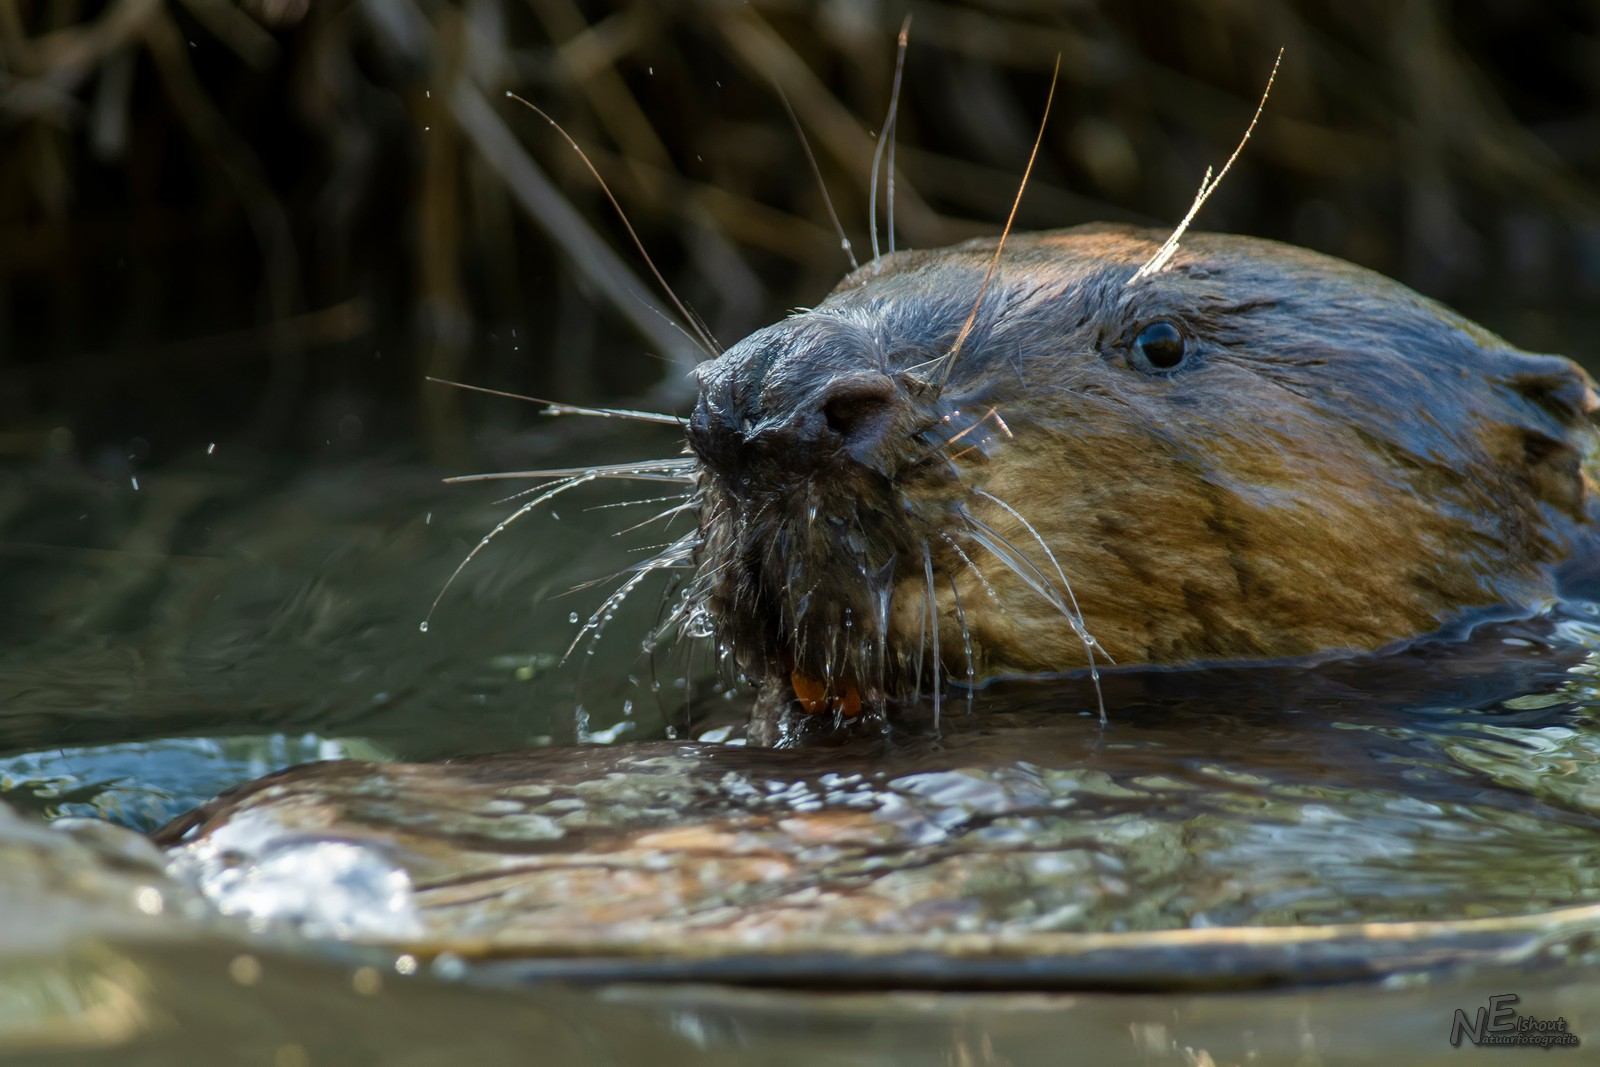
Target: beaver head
1257,452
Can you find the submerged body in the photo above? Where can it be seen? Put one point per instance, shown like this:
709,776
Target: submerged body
1256,453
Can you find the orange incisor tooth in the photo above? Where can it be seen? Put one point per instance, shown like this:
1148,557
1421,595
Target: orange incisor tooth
815,696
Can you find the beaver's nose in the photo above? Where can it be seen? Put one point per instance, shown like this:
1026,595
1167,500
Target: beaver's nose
859,411
782,433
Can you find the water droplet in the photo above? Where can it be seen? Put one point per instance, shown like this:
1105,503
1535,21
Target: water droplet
423,625
366,981
573,618
148,899
245,969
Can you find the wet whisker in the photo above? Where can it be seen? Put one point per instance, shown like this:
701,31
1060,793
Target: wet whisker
922,649
1049,554
1000,246
635,503
661,561
670,555
966,641
667,514
992,413
1089,642
937,444
664,470
556,407
541,487
549,494
1018,564
596,622
886,138
983,579
933,624
1208,185
706,340
822,184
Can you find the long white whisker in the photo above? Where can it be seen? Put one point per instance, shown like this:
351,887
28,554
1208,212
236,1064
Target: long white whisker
1081,628
635,503
1208,185
602,615
1000,245
886,134
922,649
822,183
888,183
678,510
709,342
982,578
1018,564
664,470
556,407
933,624
670,555
1065,584
966,640
492,534
541,487
666,557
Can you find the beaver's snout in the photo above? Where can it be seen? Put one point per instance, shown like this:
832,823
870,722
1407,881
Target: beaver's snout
805,433
792,401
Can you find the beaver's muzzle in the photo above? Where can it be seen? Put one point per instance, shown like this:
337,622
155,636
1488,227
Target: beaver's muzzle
802,431
792,400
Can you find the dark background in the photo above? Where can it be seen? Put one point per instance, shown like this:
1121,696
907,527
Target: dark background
265,221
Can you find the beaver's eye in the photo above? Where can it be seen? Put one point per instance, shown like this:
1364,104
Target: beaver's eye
1159,346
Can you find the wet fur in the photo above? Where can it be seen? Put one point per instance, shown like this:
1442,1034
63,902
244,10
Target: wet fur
1340,465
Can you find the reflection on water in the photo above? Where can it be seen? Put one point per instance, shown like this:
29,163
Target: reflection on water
144,784
1018,819
165,644
213,603
160,1004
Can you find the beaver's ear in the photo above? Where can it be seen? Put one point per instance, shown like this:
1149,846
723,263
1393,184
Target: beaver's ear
1548,433
1555,383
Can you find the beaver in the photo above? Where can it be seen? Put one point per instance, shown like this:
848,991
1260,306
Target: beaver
964,465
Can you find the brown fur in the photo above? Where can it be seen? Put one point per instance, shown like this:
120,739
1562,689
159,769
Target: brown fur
1340,465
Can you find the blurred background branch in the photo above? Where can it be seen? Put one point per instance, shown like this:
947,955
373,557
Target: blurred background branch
273,217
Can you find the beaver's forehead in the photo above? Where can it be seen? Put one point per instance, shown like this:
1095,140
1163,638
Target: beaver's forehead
1102,252
1081,282
1097,262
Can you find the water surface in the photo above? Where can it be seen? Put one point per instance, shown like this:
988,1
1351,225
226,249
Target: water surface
168,641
